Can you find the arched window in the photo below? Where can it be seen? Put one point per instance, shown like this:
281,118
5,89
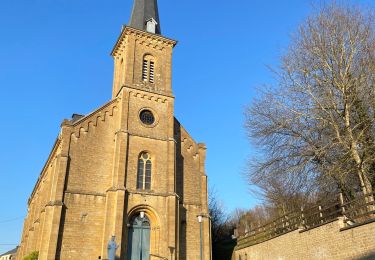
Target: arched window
144,172
148,69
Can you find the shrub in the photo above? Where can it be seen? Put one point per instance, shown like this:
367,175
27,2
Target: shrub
33,256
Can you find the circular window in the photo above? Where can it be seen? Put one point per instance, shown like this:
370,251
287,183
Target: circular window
147,117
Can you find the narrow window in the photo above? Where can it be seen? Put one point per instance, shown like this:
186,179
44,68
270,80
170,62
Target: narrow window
141,166
148,175
145,70
148,69
152,64
144,172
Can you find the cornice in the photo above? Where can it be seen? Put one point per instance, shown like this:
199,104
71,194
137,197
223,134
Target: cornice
139,89
127,30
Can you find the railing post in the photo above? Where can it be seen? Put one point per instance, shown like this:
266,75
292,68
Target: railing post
321,214
303,219
275,228
343,221
369,199
342,206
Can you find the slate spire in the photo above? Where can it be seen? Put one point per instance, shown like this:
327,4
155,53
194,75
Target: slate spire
145,16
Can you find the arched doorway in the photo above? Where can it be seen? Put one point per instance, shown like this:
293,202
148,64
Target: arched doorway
139,238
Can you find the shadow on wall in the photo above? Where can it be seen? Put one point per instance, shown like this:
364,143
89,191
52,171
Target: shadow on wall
368,257
224,249
180,188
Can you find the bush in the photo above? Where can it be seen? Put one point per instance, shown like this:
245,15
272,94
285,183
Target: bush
32,256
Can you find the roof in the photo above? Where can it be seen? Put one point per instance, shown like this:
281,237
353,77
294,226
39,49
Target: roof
143,11
11,252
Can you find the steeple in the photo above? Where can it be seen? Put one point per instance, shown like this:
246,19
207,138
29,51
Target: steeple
145,16
143,57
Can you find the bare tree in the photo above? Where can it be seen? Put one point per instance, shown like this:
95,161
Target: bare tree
315,128
247,220
222,228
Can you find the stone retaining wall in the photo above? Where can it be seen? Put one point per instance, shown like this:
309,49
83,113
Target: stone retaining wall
329,241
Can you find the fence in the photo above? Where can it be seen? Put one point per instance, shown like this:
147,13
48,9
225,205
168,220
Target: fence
354,212
359,210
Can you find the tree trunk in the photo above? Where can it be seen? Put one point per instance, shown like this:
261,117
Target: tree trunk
363,178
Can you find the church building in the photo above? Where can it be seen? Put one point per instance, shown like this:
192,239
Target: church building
129,170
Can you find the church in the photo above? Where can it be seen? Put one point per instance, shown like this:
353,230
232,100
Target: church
128,171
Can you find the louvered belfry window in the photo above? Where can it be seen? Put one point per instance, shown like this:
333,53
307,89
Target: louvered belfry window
148,69
152,65
145,70
144,172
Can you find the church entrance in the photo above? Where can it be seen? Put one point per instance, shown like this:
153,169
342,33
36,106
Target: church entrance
139,238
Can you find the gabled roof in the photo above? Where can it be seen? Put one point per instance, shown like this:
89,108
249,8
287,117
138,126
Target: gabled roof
143,11
11,252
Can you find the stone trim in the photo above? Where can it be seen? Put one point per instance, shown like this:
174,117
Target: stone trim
97,194
191,204
94,112
55,203
127,30
83,125
145,136
153,92
150,193
115,189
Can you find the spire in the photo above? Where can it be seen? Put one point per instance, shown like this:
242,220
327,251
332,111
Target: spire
145,16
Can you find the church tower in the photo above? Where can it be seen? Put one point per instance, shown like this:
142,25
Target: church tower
128,170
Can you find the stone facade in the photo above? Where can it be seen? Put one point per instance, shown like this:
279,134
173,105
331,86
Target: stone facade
329,241
88,191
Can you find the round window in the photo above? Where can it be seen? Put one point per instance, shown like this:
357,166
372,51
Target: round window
147,117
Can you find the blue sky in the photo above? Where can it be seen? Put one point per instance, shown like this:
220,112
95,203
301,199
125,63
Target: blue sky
54,61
